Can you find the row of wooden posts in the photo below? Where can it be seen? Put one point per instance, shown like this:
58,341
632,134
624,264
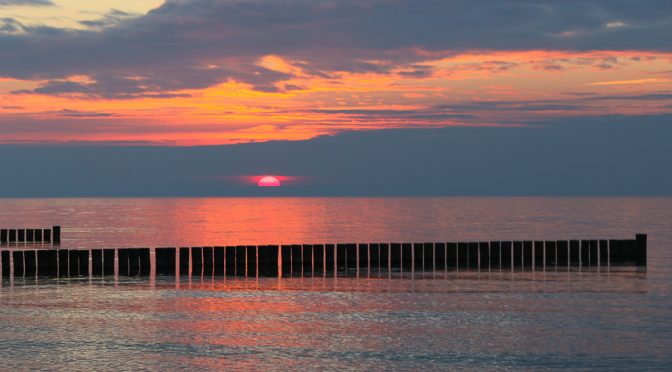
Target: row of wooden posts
40,235
289,260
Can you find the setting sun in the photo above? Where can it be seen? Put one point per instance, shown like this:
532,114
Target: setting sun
268,181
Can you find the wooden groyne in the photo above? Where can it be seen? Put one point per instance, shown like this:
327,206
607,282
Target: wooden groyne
31,235
310,259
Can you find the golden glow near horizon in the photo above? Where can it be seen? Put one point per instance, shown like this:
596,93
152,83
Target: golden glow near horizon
470,88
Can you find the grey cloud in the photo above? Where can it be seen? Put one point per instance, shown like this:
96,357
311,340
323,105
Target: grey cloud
171,46
112,18
83,114
660,96
26,3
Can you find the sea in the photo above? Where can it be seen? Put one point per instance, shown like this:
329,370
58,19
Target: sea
611,318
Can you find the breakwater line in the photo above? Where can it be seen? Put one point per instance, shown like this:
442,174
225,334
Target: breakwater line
309,259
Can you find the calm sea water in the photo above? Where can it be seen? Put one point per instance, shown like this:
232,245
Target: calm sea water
616,319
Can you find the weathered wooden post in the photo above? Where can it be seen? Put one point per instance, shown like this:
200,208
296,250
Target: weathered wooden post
550,253
219,263
640,256
96,262
56,234
440,257
562,249
451,255
318,259
230,254
63,263
330,253
428,257
395,253
496,255
507,254
593,257
484,255
251,262
604,252
462,255
307,259
108,261
166,259
73,263
47,263
30,262
208,261
4,259
241,257
197,261
19,269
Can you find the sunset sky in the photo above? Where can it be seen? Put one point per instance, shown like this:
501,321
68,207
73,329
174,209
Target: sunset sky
196,72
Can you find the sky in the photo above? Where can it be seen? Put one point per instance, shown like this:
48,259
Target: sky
347,97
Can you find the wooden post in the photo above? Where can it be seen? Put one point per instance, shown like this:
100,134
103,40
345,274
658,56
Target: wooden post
108,261
18,263
318,259
395,253
63,263
440,259
229,260
640,257
56,230
97,262
166,259
4,258
562,249
585,252
330,251
30,262
270,262
47,263
451,255
604,252
507,253
83,262
496,255
73,263
528,248
286,251
251,260
219,263
484,255
208,261
30,235
593,257
197,261
428,257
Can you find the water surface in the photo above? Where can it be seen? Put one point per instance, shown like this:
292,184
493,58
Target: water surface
616,319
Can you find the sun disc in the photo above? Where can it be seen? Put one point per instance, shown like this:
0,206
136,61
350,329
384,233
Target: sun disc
268,181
